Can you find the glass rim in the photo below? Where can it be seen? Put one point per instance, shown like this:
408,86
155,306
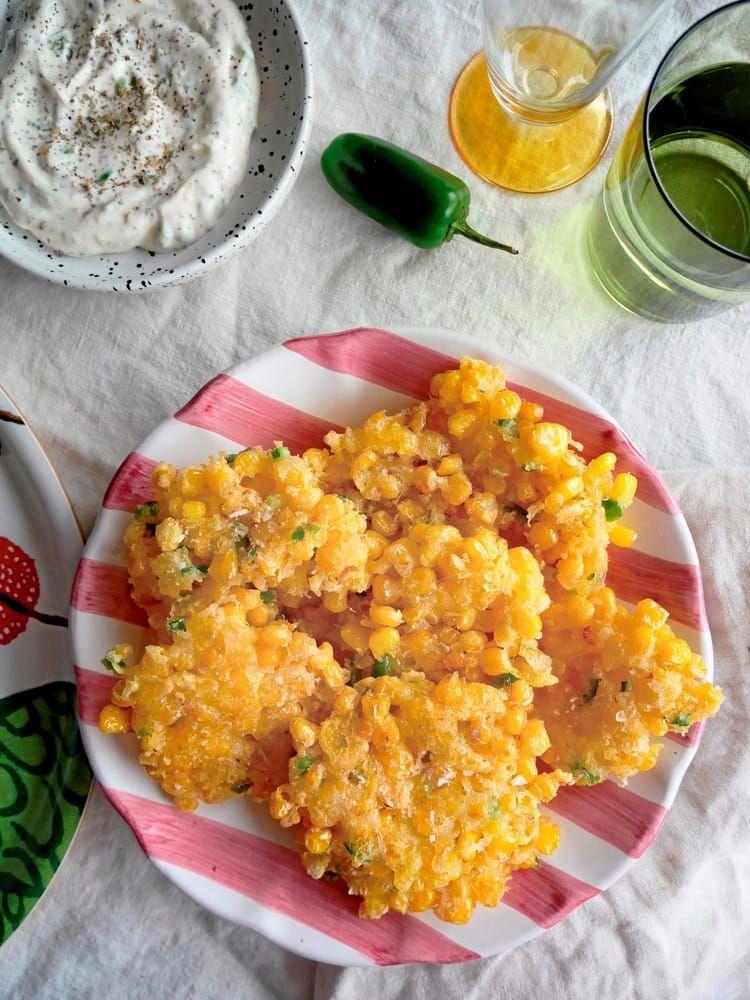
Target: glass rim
745,258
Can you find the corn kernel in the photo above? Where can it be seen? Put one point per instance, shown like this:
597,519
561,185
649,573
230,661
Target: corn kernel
548,838
651,613
384,614
318,841
527,768
375,708
515,719
425,479
623,488
465,619
521,692
605,601
505,405
457,489
336,601
223,566
579,609
169,534
531,411
601,465
258,615
345,701
449,465
383,640
570,488
304,733
534,741
542,536
482,507
549,440
473,641
193,510
375,543
276,634
114,720
356,637
192,482
622,537
494,662
386,588
461,423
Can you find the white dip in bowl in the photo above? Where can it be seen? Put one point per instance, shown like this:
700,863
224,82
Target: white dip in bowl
124,123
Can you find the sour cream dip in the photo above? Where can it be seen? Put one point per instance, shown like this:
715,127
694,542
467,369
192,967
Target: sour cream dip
124,123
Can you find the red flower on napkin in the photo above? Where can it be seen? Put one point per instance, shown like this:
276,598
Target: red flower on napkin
19,580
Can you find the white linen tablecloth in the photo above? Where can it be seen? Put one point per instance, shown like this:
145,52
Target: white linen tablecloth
94,373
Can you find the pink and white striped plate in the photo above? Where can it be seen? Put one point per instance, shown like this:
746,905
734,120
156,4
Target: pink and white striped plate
232,858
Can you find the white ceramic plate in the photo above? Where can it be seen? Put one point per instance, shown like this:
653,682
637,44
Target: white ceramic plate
277,150
232,858
44,776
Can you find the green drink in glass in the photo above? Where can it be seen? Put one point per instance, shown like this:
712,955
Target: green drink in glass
670,235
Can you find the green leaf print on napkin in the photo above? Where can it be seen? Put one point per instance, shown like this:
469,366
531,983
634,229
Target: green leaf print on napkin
44,780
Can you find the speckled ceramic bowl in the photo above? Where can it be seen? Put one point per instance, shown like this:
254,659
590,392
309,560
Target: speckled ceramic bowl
277,150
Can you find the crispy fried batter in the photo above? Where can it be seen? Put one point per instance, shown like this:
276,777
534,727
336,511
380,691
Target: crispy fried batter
212,710
415,558
625,680
420,796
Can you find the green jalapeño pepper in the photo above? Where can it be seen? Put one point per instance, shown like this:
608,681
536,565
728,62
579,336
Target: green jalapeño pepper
409,195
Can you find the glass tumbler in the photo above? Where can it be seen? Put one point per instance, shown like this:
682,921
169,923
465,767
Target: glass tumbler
670,235
531,112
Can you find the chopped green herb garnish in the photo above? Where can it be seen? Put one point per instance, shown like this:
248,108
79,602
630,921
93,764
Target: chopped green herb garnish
121,84
682,720
143,733
612,510
592,688
230,459
504,680
176,625
240,789
357,853
493,811
280,452
144,510
312,528
114,662
69,150
302,764
516,509
626,686
384,666
508,427
531,467
268,596
298,534
104,176
245,546
192,570
274,501
341,496
582,773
